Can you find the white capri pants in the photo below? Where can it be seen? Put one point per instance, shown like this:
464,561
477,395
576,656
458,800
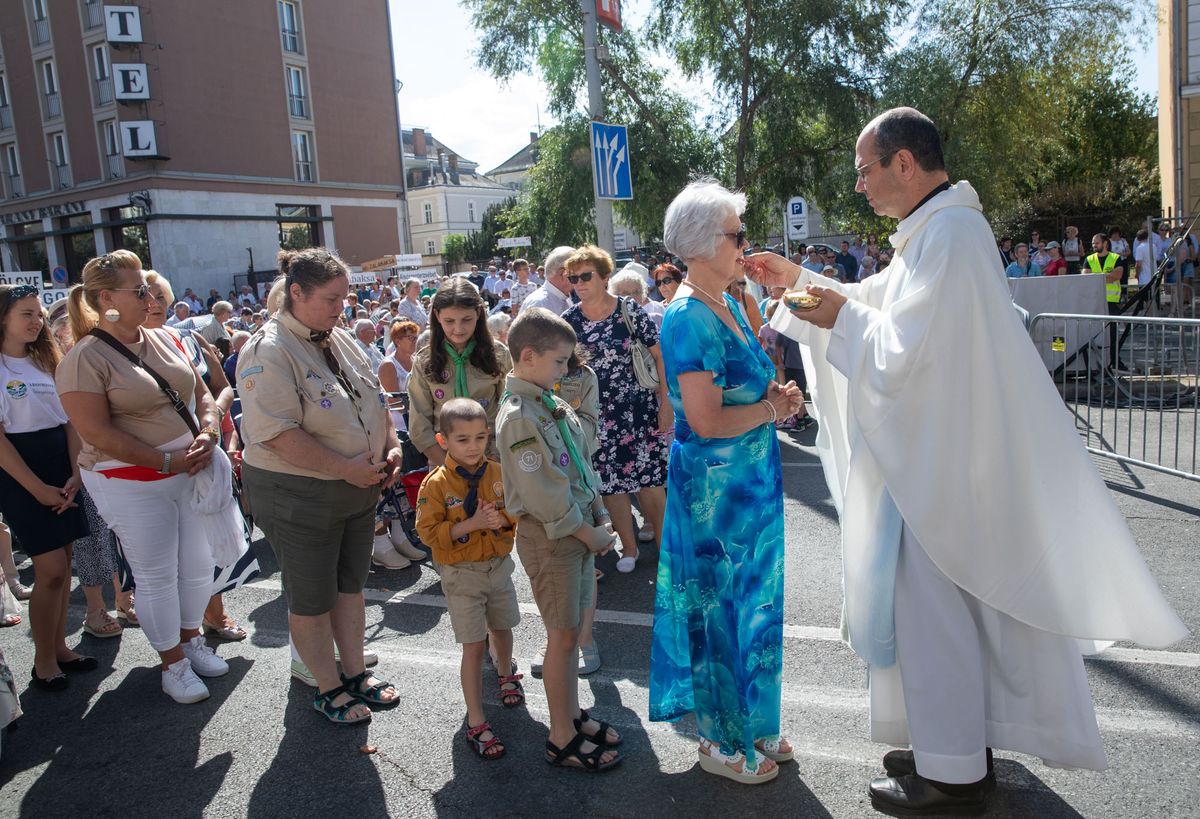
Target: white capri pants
166,546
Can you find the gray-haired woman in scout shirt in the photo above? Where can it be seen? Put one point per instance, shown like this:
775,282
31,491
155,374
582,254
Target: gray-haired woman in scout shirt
461,361
320,447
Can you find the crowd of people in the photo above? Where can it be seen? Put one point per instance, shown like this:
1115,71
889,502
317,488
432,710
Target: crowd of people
529,409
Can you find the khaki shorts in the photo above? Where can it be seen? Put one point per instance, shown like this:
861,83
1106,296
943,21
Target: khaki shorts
562,572
480,596
321,532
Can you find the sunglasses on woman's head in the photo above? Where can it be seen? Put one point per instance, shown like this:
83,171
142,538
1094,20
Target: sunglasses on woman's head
586,276
142,291
666,281
22,291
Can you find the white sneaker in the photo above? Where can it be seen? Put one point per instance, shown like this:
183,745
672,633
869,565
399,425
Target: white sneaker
385,555
300,672
403,545
204,660
181,684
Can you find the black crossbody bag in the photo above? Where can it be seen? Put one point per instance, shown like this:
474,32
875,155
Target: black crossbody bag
177,402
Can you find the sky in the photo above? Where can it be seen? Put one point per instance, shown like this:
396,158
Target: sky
487,122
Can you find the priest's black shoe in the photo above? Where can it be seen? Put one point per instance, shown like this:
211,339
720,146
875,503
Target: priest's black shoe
913,795
902,763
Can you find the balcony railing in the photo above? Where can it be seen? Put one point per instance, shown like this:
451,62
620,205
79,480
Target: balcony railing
104,91
41,31
291,40
60,176
94,13
13,186
53,106
6,121
115,169
298,106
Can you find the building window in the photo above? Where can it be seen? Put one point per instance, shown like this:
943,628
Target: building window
111,143
41,25
428,213
5,109
50,90
93,14
471,212
102,74
12,171
430,248
299,226
131,234
289,25
303,155
78,244
60,165
297,90
30,253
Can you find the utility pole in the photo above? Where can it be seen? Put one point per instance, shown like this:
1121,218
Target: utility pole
604,223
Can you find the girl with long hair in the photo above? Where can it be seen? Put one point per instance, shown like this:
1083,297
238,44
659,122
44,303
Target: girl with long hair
461,361
39,480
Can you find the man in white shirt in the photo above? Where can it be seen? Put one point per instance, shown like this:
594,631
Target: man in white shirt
194,304
364,334
523,287
182,311
502,282
491,279
555,294
211,328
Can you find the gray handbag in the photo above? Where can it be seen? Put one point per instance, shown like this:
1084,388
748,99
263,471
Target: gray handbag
644,368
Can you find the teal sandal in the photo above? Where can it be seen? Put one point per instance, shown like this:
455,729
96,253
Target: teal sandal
337,713
372,694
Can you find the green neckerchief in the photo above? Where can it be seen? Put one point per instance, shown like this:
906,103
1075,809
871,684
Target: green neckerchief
560,417
460,367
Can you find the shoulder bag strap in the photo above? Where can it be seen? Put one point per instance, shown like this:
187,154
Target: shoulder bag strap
176,400
625,317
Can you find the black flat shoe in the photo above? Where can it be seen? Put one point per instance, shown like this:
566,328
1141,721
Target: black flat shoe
913,795
902,763
56,683
79,664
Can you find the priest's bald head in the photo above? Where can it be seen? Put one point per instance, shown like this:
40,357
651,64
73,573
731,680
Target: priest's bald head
899,160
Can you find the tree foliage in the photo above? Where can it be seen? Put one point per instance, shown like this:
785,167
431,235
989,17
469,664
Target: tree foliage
454,248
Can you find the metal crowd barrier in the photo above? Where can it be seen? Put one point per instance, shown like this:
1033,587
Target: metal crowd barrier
1131,383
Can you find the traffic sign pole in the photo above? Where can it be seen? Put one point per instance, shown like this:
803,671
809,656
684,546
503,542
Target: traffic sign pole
604,223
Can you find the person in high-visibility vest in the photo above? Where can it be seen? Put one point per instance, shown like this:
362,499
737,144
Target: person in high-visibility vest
1108,264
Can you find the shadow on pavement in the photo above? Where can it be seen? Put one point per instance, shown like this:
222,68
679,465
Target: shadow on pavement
142,744
1134,679
318,769
1021,793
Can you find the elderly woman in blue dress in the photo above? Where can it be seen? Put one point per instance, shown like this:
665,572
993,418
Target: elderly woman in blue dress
718,614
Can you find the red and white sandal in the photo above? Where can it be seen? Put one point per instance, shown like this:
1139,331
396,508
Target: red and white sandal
483,747
514,696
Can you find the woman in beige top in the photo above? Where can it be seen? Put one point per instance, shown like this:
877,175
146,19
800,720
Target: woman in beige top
320,447
139,461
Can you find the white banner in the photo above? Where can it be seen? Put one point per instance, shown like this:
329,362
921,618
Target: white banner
366,277
33,278
515,241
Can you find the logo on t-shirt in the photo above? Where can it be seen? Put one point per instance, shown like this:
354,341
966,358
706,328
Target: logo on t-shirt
16,389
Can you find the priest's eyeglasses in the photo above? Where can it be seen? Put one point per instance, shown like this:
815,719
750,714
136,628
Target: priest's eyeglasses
861,170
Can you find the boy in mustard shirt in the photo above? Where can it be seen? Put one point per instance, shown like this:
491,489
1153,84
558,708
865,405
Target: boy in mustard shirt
554,494
460,515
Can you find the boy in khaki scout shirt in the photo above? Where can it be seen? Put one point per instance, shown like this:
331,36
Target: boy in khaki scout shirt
553,492
460,514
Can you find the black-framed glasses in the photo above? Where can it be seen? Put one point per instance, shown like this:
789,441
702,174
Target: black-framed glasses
586,276
861,170
739,238
22,291
666,281
142,291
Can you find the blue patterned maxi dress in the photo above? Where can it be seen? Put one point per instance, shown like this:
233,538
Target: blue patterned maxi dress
718,611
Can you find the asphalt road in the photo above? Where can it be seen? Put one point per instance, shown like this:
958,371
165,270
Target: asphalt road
115,746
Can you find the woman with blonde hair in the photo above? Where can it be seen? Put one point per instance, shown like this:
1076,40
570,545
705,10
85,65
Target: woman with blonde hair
134,401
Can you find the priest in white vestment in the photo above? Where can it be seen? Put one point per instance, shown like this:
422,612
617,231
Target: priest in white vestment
982,552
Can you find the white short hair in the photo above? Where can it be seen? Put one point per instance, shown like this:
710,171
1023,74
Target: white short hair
557,258
694,219
361,323
498,323
628,278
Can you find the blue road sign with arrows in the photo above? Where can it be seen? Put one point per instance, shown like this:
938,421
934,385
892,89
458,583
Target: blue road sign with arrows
611,178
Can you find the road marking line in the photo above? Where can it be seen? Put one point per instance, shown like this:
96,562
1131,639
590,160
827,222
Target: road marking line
1137,656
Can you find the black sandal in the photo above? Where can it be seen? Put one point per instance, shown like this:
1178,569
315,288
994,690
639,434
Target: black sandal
481,746
372,694
511,697
337,713
601,736
585,762
56,683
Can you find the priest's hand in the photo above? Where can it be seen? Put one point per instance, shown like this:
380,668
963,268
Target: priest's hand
770,269
824,314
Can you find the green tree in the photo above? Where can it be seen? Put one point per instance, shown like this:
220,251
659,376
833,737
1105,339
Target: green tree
454,248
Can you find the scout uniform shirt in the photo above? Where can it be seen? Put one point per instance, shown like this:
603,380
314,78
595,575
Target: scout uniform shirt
442,503
581,389
426,395
285,383
541,478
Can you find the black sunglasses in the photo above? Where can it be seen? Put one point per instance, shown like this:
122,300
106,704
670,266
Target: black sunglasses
22,291
582,277
142,291
739,238
666,281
